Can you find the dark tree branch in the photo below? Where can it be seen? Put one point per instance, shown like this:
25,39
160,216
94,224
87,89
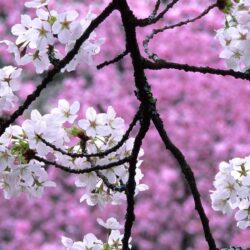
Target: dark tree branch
188,173
151,20
156,8
205,12
148,38
161,64
60,65
100,154
51,54
81,171
130,192
145,96
116,59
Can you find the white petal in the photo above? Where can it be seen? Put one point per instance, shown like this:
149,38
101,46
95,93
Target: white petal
91,114
63,105
84,124
74,108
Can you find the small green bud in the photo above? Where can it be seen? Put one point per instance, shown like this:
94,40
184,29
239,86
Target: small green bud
20,148
74,131
52,20
106,246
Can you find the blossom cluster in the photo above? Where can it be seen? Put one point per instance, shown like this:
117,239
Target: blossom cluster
8,85
235,38
232,190
22,172
90,241
49,36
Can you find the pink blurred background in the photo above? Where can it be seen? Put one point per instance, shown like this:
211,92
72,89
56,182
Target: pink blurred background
206,116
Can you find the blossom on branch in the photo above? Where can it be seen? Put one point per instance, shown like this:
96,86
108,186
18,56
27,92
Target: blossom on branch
235,37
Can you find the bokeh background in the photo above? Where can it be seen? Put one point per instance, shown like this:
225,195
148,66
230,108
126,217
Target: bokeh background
206,116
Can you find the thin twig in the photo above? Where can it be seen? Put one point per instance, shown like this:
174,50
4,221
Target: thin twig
151,20
148,38
161,64
156,8
116,59
205,12
82,171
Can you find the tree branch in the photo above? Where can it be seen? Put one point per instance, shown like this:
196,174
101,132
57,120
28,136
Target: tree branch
156,8
148,38
161,64
81,171
189,176
205,12
130,192
151,20
116,59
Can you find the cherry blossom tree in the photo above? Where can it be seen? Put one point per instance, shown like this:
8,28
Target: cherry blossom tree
97,147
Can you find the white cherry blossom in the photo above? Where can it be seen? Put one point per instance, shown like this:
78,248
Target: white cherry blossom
89,242
23,31
41,35
115,240
65,25
243,215
94,124
65,111
232,190
111,223
235,38
39,58
10,75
